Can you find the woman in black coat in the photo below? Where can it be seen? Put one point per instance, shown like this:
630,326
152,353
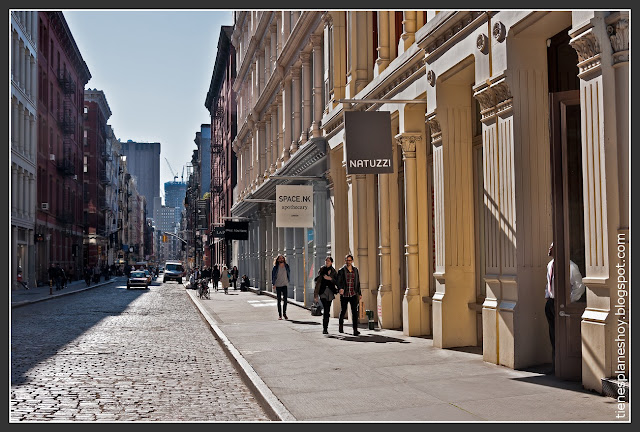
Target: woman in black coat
326,290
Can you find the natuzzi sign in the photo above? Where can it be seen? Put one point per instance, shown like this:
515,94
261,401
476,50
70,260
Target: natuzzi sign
368,142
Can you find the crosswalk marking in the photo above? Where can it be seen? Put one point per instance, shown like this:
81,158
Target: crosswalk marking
261,303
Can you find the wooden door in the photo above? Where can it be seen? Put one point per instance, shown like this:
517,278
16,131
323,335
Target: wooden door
568,229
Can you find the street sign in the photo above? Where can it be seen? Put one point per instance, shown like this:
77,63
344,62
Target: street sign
218,232
236,230
368,142
294,206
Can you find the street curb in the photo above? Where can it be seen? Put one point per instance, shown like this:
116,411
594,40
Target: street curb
267,400
52,296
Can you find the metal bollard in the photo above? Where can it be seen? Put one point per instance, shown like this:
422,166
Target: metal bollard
370,318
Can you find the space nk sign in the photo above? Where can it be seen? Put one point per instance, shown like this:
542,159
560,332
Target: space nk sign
294,206
367,142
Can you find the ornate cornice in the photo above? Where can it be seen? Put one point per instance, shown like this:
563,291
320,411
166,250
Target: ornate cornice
588,48
408,141
434,127
618,31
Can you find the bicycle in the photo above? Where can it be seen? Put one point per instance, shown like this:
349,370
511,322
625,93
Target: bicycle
203,289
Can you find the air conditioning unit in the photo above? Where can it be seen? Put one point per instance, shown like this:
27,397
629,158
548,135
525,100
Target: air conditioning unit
44,206
52,157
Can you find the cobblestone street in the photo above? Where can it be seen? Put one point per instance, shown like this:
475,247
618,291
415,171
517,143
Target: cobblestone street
111,354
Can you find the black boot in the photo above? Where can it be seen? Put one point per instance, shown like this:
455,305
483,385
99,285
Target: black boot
340,327
355,331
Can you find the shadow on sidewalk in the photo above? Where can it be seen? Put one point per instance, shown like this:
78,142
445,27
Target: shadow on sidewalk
369,338
304,322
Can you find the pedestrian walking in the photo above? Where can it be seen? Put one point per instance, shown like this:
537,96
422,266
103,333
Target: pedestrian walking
225,278
53,274
215,274
348,282
326,290
234,277
280,276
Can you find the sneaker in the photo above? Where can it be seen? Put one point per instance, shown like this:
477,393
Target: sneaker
279,318
325,331
356,333
286,317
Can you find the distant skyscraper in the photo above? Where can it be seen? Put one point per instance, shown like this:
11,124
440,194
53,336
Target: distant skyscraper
143,162
174,193
203,141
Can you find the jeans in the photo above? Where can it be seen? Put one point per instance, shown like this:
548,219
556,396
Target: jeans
326,304
344,301
282,291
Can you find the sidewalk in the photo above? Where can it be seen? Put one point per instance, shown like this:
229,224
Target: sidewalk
381,375
21,296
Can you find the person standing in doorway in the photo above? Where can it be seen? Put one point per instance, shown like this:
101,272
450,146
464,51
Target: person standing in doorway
280,276
326,290
234,277
348,282
550,308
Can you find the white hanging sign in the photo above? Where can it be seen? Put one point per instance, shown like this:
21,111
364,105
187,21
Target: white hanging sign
294,206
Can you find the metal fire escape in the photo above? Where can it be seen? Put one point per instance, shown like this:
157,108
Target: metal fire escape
67,123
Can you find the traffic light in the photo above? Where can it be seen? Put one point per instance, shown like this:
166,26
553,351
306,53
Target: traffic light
183,246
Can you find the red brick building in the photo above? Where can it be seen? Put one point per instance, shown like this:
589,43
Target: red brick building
96,237
221,103
62,75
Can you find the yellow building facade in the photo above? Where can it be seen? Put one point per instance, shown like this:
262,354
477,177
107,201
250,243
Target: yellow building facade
510,130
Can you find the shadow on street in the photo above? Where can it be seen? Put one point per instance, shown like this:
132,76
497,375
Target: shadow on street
40,330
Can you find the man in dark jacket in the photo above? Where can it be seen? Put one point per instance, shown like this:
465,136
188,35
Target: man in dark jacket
348,282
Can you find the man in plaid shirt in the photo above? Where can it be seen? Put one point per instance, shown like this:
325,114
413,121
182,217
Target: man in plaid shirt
348,282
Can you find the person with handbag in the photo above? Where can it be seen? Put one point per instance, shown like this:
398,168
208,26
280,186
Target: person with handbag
326,290
348,282
280,277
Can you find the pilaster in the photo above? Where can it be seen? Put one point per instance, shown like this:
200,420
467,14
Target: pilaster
412,301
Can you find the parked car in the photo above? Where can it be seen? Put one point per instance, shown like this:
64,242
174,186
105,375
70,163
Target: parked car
173,270
137,278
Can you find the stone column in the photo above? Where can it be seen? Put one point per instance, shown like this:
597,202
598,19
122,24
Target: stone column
298,235
286,26
267,262
261,152
412,302
316,41
267,143
408,36
296,105
14,123
286,117
307,88
20,138
280,38
280,132
438,204
267,56
14,190
273,145
33,141
383,43
385,294
273,49
602,47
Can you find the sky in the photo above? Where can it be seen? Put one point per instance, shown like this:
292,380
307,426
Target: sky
155,69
